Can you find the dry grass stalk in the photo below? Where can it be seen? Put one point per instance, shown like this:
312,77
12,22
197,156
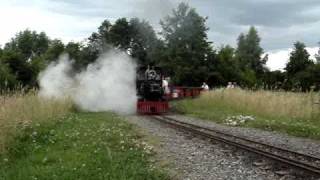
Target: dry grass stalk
267,103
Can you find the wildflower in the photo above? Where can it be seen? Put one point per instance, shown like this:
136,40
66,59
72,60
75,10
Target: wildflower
45,160
238,120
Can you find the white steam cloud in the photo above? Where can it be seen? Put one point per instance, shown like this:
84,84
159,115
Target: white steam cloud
106,85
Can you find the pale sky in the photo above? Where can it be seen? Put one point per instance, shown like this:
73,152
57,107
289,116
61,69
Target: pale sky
280,23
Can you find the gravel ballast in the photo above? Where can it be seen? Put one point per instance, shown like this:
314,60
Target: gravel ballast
196,158
302,145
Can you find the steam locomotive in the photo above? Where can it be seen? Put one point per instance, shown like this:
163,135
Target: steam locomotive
152,98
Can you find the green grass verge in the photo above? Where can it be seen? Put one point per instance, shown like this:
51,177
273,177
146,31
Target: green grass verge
219,112
79,146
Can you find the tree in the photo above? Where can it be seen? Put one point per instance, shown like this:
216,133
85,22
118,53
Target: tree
29,44
274,80
299,68
255,52
23,55
144,44
73,49
7,79
249,56
316,76
41,43
184,32
223,67
1,51
241,51
318,56
55,49
136,37
120,34
18,67
299,59
81,54
100,42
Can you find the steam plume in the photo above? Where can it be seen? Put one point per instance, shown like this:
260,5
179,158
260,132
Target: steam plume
106,85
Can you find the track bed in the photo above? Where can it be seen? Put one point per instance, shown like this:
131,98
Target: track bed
301,161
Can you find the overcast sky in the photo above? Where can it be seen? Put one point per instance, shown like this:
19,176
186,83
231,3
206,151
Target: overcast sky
280,22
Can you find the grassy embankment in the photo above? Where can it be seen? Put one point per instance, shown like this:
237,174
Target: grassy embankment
292,113
46,140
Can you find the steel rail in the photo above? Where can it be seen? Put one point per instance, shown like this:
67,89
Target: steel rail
278,154
248,140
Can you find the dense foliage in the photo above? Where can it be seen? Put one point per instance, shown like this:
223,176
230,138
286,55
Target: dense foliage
181,48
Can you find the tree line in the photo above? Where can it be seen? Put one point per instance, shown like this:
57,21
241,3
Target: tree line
181,48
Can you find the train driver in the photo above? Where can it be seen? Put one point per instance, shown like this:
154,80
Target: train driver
165,86
205,86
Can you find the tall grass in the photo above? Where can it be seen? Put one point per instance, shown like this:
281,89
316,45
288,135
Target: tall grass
18,111
293,113
267,103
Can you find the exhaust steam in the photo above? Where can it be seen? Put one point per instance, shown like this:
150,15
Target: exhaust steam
105,85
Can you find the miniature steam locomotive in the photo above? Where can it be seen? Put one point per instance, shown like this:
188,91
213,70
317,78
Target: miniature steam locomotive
152,97
149,84
150,91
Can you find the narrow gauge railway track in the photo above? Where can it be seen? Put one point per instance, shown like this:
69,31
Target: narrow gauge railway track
304,162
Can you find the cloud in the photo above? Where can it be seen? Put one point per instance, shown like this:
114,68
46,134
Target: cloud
153,11
279,23
278,59
36,18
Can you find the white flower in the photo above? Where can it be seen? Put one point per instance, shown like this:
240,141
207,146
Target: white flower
236,120
45,160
